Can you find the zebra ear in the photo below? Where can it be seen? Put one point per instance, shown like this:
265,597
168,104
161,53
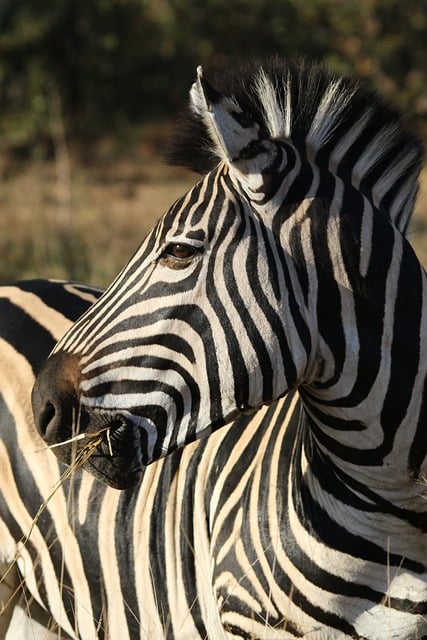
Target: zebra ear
238,139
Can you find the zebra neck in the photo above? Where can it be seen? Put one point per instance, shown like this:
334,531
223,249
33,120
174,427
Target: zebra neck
365,389
381,456
337,502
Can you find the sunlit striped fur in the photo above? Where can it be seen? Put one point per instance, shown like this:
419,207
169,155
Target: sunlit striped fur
309,518
33,316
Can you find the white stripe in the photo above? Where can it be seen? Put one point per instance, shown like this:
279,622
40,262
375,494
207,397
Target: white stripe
117,626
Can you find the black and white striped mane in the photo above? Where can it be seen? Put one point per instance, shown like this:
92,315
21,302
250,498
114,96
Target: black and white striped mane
331,120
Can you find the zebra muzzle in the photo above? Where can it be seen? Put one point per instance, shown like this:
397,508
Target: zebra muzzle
55,398
105,444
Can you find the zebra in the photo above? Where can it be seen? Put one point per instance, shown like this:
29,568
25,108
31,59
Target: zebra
41,311
255,383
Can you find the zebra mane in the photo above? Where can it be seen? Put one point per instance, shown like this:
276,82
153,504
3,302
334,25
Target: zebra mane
333,120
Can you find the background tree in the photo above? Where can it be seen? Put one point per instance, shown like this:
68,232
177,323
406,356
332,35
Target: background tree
115,63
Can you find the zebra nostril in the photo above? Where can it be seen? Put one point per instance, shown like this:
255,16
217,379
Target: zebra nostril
45,417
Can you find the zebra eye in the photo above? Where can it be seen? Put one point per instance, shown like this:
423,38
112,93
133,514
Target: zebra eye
180,251
178,255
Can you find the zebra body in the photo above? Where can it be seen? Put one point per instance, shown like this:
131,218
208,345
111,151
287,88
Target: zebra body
42,311
278,297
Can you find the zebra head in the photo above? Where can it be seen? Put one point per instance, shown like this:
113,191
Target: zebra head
219,311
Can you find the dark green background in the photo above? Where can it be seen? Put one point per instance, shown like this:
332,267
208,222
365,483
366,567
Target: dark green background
117,63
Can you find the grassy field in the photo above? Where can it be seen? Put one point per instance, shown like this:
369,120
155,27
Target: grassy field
87,226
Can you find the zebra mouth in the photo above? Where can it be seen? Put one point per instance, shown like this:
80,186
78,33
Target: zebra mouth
116,459
107,447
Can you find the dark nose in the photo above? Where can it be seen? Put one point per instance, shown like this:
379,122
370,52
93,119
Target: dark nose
55,397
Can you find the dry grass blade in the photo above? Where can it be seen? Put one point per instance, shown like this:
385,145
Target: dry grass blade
81,457
94,440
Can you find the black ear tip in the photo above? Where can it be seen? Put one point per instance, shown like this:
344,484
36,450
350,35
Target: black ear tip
211,94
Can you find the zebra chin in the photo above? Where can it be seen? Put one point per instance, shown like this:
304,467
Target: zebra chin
106,445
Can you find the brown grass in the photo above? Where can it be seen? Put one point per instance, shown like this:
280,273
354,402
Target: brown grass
113,205
114,201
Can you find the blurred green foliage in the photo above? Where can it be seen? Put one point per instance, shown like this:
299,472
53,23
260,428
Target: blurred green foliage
116,63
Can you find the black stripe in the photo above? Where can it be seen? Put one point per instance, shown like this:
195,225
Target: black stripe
58,295
15,324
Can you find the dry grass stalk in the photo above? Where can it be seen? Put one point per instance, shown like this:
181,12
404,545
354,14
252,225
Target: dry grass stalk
94,439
